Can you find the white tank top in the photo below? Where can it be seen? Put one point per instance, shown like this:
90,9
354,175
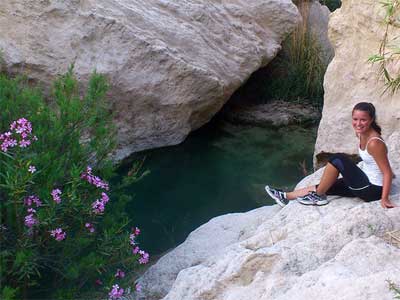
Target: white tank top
370,167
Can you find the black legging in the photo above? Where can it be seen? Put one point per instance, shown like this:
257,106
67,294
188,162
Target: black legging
354,183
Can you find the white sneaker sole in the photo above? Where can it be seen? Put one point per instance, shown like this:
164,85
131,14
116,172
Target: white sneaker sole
319,203
277,200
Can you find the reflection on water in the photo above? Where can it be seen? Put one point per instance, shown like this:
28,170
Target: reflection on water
219,169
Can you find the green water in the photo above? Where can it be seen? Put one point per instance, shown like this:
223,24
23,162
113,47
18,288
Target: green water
219,169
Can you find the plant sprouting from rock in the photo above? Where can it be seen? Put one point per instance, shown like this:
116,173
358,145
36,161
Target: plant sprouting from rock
388,57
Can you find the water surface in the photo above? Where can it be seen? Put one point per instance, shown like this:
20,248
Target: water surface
219,169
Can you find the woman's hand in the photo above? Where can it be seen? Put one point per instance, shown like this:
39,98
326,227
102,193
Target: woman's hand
385,203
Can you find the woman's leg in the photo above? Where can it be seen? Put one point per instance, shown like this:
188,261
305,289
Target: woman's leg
300,192
328,179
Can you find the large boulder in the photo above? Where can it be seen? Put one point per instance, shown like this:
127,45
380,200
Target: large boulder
171,64
208,240
356,31
298,252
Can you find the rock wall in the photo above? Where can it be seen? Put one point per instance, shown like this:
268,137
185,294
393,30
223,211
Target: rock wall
172,65
355,31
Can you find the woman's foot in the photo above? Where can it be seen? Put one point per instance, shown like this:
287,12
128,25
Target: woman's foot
278,195
312,198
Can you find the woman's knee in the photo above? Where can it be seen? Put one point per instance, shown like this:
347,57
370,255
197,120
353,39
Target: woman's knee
338,161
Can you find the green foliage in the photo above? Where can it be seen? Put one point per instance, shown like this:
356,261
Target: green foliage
9,293
389,50
295,75
72,131
297,72
331,4
394,288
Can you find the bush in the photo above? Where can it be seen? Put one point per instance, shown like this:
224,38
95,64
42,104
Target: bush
298,71
56,238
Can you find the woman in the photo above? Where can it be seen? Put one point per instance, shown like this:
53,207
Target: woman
370,184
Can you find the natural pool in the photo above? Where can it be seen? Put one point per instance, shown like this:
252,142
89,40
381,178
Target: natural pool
219,169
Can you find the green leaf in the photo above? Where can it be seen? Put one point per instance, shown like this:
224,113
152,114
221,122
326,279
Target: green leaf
9,293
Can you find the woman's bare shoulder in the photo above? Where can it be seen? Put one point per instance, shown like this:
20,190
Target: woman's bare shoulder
377,145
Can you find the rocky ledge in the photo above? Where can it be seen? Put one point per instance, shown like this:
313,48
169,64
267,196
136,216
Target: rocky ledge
276,113
297,252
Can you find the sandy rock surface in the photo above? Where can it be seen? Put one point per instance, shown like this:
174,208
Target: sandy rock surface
172,65
298,252
208,240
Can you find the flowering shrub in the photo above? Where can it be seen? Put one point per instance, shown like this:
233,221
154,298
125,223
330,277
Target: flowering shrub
54,206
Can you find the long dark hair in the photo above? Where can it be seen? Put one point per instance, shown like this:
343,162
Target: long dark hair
370,109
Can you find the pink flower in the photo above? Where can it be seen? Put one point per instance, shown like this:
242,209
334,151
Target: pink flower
119,274
58,234
90,227
104,197
22,127
30,220
32,169
98,207
24,143
136,231
144,259
94,180
100,204
7,141
132,239
32,199
138,287
116,292
135,250
31,211
132,236
56,195
99,282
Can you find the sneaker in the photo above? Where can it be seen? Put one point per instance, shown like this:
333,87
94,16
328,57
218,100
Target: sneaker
312,198
278,195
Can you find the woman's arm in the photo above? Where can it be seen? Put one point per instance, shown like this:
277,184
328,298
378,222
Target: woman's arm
379,152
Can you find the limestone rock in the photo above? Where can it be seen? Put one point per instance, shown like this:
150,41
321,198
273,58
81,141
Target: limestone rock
211,239
355,31
276,113
299,252
172,65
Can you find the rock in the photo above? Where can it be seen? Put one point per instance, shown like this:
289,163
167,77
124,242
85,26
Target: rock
277,113
171,65
356,30
298,252
317,22
199,246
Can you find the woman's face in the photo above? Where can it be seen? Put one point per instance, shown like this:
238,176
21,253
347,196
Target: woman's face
361,121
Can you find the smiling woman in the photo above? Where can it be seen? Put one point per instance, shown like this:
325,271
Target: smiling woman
371,183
